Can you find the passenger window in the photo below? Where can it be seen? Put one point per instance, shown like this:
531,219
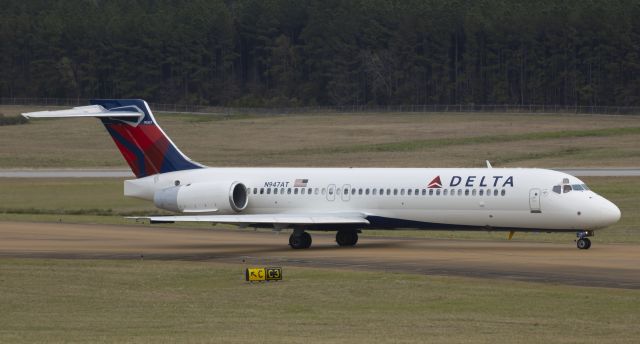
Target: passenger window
453,192
248,191
417,192
495,192
466,192
430,192
359,191
295,191
459,192
438,192
489,192
346,191
255,191
268,191
409,192
275,191
473,192
353,191
444,192
324,191
289,191
424,192
261,191
566,188
388,192
481,192
401,192
330,191
381,192
373,191
310,191
557,189
395,192
366,191
503,192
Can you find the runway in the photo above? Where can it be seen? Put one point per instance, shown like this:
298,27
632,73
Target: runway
604,265
95,173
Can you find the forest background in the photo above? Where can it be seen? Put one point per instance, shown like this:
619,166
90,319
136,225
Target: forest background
323,52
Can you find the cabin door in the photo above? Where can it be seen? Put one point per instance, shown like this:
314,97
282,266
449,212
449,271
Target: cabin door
345,192
534,200
331,192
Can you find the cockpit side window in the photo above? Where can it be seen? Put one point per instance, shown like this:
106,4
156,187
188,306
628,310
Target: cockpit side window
557,189
577,187
566,188
585,187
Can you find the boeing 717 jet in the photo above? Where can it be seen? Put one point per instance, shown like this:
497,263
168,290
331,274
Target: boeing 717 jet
344,200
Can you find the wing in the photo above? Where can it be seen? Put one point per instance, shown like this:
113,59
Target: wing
266,219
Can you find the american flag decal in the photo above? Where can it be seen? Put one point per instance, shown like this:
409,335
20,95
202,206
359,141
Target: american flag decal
300,183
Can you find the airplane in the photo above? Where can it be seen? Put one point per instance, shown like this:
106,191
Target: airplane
345,200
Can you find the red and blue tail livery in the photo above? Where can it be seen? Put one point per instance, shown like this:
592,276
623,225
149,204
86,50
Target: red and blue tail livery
144,145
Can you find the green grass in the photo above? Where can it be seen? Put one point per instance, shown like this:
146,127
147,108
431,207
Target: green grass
193,302
79,196
12,120
414,145
101,201
367,139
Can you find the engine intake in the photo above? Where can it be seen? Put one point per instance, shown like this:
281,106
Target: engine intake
219,197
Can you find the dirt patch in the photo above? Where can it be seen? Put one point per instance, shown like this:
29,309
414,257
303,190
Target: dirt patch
604,265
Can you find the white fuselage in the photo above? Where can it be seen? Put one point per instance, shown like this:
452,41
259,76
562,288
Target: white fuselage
462,198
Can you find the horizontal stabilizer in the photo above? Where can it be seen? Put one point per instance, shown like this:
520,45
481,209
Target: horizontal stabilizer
286,219
83,111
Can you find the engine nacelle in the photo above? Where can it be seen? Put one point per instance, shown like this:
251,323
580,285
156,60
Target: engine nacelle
219,197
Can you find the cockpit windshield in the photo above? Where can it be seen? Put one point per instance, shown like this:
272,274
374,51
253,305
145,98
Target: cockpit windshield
565,188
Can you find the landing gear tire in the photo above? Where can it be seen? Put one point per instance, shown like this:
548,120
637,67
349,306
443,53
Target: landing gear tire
583,243
299,240
347,238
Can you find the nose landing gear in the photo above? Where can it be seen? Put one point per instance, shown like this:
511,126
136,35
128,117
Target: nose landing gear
583,242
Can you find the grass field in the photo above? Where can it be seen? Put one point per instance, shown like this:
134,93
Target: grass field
152,301
377,139
101,201
149,302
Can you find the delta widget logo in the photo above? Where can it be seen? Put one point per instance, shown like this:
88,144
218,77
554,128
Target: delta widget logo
435,183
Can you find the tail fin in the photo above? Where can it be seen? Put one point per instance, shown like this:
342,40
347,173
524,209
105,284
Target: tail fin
143,144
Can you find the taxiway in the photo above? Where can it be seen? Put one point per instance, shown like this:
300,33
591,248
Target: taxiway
604,265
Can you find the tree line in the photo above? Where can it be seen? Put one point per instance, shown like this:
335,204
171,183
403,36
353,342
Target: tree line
324,52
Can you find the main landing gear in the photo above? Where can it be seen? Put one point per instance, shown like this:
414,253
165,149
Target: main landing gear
347,237
583,242
300,239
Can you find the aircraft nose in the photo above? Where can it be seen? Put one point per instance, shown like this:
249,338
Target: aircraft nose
601,213
609,212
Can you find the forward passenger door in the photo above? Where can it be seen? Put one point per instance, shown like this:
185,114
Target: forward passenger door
534,200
